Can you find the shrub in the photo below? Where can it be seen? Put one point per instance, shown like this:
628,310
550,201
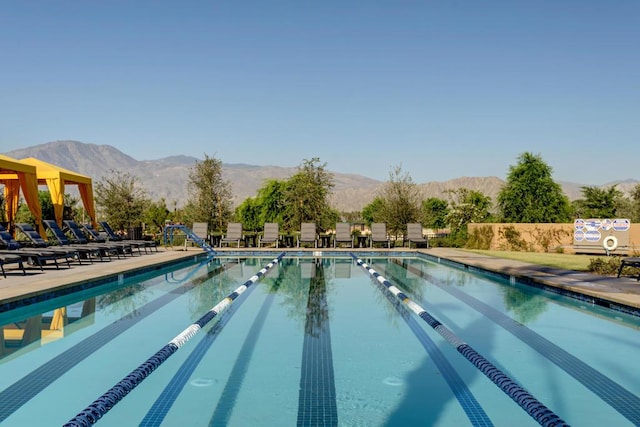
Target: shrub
605,266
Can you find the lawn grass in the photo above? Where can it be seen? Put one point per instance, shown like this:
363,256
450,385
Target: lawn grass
565,261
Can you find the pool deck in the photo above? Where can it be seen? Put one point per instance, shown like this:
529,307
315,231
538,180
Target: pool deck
623,290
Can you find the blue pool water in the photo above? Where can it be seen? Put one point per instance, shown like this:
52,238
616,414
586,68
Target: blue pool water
316,341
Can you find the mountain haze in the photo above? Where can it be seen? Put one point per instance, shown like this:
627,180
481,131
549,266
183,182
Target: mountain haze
168,177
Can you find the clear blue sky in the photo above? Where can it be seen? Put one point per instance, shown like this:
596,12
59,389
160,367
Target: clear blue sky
443,88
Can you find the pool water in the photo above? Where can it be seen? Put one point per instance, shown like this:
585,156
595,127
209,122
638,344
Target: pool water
316,341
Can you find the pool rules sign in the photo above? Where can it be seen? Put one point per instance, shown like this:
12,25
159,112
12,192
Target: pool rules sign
601,235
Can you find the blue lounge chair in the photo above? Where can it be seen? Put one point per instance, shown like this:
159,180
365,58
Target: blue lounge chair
34,256
113,236
80,238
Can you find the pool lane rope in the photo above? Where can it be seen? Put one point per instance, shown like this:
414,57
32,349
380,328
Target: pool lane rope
92,413
537,410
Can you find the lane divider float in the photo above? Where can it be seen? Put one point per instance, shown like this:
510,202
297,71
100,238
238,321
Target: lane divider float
92,413
537,410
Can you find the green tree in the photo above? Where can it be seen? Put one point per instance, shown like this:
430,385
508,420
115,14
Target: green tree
248,213
210,196
401,201
467,206
155,215
121,200
530,195
634,210
372,212
307,196
272,201
598,202
434,213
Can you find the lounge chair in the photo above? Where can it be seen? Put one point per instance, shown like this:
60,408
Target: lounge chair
6,258
79,237
95,236
36,241
630,262
234,234
308,234
414,234
34,256
343,234
113,236
271,234
379,234
89,251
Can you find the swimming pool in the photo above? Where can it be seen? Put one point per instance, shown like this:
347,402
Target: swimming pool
316,341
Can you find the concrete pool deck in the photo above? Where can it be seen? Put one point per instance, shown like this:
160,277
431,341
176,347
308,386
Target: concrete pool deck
623,290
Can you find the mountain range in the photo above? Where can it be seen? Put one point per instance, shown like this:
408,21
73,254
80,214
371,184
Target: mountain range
168,177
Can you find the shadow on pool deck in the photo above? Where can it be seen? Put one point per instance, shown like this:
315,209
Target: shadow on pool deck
623,290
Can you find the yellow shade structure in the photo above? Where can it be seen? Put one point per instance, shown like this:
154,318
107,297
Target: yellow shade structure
16,175
56,178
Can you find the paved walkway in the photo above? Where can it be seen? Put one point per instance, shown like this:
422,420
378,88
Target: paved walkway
625,290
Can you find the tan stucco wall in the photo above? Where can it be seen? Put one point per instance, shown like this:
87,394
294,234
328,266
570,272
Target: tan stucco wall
529,231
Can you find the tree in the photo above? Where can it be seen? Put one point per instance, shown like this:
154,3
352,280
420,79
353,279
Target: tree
401,201
371,212
530,195
307,196
210,195
248,213
467,206
155,215
434,213
634,213
598,202
271,198
121,200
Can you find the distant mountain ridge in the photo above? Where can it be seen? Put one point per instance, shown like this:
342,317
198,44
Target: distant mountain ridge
168,177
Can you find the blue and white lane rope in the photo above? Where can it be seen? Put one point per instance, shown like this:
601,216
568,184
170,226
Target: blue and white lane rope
92,413
537,410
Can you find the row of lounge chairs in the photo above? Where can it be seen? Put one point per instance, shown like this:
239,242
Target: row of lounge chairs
308,234
74,243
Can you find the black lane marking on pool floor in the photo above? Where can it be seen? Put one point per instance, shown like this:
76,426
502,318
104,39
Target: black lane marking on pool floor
23,390
476,414
317,397
167,398
229,395
618,397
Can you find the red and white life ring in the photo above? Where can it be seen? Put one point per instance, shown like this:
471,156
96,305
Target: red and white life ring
610,243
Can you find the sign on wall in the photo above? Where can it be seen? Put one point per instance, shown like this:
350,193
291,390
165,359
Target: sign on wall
601,234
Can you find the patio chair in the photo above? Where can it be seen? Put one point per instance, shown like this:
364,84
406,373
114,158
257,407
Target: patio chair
113,236
36,241
379,234
95,236
271,234
234,234
7,258
35,256
343,234
79,237
62,240
308,234
414,234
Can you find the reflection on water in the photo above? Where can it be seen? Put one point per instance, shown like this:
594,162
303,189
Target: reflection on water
47,327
